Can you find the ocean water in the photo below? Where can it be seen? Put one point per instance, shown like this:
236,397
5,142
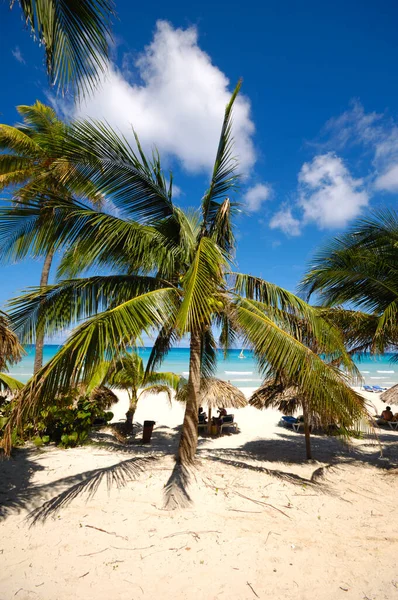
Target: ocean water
241,372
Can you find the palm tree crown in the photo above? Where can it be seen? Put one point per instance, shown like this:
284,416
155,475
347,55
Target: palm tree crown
173,276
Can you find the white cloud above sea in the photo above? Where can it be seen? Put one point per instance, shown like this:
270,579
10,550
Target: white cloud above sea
175,97
17,54
256,195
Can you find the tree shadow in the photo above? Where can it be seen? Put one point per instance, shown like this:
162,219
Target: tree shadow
117,475
16,476
289,449
176,489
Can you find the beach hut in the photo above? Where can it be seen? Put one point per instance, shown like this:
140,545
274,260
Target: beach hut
287,399
390,396
215,393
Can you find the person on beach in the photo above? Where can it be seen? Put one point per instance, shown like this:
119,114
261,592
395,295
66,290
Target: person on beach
387,414
202,415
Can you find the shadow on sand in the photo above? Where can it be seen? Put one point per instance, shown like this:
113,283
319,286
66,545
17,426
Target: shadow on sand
18,492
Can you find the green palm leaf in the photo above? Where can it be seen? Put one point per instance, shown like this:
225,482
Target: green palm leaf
224,177
75,35
322,383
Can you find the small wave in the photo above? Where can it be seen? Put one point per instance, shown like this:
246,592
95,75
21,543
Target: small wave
378,377
386,371
236,380
238,372
185,373
365,371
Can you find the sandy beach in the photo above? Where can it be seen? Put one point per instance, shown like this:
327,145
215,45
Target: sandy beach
254,520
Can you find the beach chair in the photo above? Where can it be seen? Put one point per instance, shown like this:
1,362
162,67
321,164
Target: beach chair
202,422
228,421
377,388
288,421
368,388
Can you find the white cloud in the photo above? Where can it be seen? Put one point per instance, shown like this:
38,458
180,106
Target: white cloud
256,195
17,54
177,105
328,194
285,221
377,133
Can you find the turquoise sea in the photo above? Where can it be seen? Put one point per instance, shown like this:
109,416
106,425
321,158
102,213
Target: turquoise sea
242,372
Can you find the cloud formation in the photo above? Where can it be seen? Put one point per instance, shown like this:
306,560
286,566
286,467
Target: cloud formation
256,195
377,133
328,194
178,103
17,54
285,221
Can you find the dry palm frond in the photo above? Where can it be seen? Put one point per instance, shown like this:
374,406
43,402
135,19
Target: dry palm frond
216,393
10,349
391,395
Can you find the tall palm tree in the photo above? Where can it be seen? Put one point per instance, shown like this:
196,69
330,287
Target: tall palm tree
128,374
361,268
32,166
173,275
75,35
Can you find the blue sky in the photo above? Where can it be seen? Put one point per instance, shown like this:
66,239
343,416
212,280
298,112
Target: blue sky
316,126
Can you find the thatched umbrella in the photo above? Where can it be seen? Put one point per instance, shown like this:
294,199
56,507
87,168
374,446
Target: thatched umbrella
104,397
286,398
215,393
391,395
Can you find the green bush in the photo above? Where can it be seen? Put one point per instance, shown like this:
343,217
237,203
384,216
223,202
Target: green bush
66,423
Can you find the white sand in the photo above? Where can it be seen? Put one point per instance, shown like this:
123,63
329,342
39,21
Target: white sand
254,521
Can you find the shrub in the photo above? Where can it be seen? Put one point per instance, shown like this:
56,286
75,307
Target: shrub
66,423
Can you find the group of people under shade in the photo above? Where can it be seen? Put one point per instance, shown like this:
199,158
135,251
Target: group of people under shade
387,414
215,420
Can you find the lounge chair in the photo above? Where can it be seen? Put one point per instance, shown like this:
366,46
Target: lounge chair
202,424
368,388
228,421
377,388
288,421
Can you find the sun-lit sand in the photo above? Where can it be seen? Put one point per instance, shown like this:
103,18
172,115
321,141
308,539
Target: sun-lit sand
254,520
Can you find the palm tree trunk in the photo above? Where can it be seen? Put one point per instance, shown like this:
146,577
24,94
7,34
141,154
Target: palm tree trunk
40,330
307,432
133,400
189,433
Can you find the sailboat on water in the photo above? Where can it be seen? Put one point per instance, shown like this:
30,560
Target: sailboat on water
241,355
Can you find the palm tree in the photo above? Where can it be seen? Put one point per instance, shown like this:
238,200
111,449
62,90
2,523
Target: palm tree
173,275
361,268
10,352
32,166
75,36
128,374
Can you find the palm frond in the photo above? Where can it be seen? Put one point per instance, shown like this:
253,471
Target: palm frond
11,350
61,305
202,285
208,354
224,177
75,35
323,384
10,384
102,337
98,154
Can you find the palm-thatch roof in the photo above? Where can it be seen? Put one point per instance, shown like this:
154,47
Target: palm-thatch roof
104,397
10,349
273,394
391,395
216,393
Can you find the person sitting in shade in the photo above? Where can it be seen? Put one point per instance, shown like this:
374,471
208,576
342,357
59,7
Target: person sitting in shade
202,415
387,414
